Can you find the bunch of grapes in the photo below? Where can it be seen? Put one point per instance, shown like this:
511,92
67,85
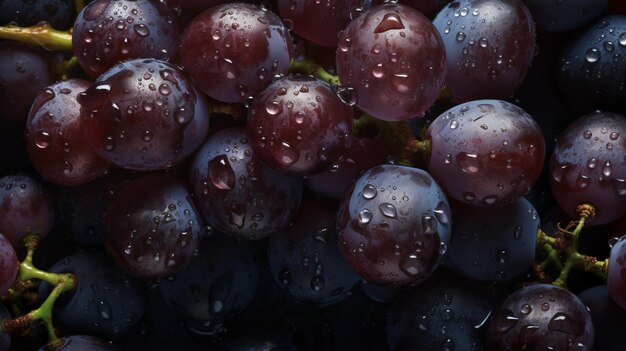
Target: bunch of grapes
313,175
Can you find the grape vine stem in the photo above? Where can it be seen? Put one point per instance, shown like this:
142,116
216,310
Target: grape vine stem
309,67
41,35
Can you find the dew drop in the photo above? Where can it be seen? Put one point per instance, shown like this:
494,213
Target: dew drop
221,173
141,29
388,210
369,191
365,216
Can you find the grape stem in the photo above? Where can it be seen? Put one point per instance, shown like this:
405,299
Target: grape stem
565,244
27,272
79,4
42,35
309,67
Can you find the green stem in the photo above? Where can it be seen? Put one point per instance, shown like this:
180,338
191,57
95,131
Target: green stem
233,110
309,67
42,35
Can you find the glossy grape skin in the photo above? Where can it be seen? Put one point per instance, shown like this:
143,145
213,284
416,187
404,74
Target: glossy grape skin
616,281
26,207
257,338
363,154
107,32
428,7
82,343
236,193
319,22
9,266
560,16
588,166
540,317
24,67
485,152
152,229
493,244
305,260
55,141
609,319
297,125
218,285
591,69
197,5
232,51
59,13
143,114
394,59
489,45
106,301
444,313
394,227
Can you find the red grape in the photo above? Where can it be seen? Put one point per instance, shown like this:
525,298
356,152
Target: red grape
297,125
232,51
144,114
617,272
394,59
9,265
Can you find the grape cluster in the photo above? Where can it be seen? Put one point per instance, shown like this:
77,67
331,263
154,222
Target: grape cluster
313,175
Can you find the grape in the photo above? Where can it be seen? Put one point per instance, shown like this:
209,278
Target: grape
297,125
218,285
26,207
82,343
445,313
9,266
232,51
394,59
319,21
609,320
363,154
587,166
559,16
305,259
489,46
257,338
493,244
428,7
59,13
238,194
143,114
152,229
54,136
197,5
591,70
110,31
394,227
485,152
541,317
105,303
24,67
617,272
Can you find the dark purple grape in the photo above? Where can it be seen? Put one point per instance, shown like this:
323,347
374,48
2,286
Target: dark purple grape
363,154
560,16
617,272
232,51
609,319
59,13
493,244
445,313
55,141
394,59
394,227
144,114
588,166
152,228
591,67
197,5
319,22
257,338
24,67
238,194
106,302
489,46
218,285
485,152
82,343
110,31
428,7
305,260
9,266
26,207
541,317
299,126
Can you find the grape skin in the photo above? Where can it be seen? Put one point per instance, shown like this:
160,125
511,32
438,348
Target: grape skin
617,272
